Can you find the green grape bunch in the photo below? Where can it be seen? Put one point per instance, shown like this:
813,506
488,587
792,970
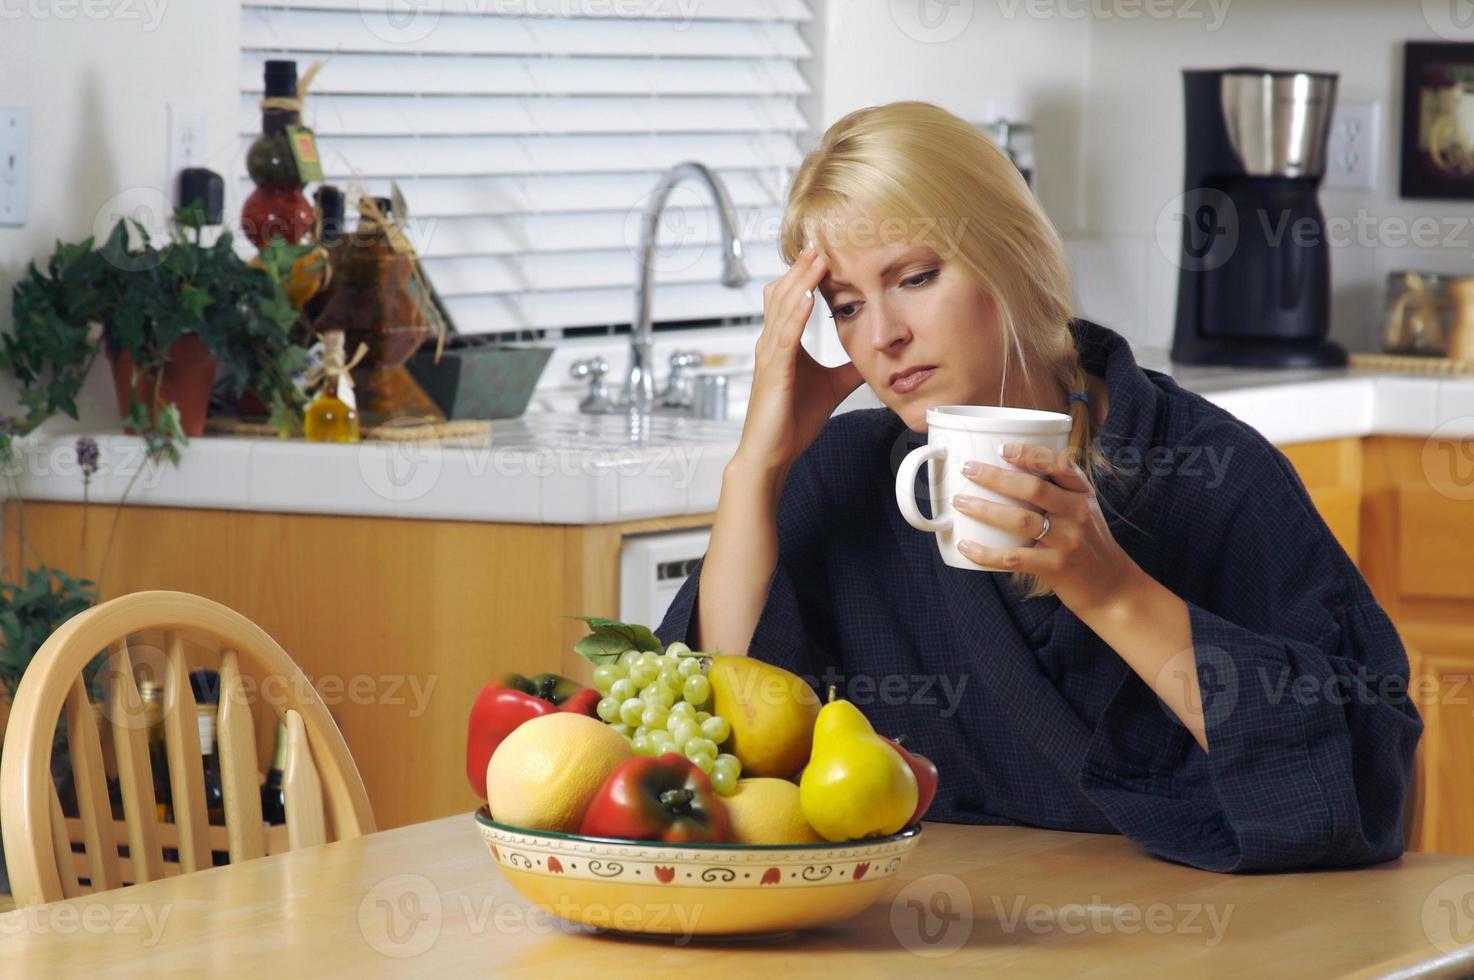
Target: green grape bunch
661,702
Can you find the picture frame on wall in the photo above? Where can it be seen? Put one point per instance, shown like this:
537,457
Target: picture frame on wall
1438,121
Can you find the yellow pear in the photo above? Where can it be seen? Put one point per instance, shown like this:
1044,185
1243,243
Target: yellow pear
856,784
771,712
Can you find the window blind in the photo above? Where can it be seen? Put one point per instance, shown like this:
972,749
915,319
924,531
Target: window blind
526,140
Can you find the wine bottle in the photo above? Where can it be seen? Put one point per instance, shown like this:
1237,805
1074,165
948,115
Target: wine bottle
158,753
273,798
214,787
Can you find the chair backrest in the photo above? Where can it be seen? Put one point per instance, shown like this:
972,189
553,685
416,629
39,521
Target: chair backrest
324,794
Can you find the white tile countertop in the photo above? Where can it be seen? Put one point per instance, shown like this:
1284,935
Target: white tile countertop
559,467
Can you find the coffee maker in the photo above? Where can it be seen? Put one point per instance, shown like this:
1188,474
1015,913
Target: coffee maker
1254,280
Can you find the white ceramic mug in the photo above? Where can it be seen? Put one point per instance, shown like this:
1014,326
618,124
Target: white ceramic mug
956,434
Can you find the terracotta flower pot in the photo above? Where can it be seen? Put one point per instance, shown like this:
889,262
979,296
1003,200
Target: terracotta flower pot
189,372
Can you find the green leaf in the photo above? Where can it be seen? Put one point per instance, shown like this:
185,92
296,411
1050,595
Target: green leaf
610,638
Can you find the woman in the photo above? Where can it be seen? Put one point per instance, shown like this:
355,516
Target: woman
1185,655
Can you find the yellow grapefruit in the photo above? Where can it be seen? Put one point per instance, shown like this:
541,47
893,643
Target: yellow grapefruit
763,810
544,774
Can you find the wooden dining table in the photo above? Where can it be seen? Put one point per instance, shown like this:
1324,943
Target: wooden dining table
426,900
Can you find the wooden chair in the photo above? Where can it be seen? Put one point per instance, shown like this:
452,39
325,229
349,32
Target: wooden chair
321,784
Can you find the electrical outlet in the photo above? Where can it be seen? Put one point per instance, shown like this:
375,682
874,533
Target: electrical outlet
186,143
1351,150
15,138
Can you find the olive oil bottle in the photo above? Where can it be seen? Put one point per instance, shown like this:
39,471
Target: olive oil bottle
332,416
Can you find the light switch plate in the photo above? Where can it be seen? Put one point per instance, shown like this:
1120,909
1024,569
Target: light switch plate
1351,151
15,140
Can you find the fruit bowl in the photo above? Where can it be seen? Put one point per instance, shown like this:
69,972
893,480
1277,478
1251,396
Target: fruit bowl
694,889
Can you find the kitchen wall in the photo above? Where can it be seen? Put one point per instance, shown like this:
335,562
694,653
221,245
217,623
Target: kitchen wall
98,77
1133,145
1101,81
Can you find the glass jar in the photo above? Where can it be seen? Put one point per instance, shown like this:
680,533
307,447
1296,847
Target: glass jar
1420,313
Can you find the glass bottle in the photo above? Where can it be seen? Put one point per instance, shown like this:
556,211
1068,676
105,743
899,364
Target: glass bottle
332,416
158,754
276,207
375,303
330,213
205,717
273,797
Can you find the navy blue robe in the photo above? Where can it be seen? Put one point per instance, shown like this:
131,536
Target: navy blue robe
1032,719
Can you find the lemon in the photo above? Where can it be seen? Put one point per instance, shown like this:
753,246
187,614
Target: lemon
545,773
763,810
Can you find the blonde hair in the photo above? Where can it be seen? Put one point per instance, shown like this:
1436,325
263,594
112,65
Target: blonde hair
912,171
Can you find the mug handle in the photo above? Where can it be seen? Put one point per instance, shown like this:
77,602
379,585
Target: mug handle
906,488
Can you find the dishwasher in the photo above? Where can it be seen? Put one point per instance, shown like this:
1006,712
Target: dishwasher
652,568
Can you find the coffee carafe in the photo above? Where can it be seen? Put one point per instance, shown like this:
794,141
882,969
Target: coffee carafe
1254,280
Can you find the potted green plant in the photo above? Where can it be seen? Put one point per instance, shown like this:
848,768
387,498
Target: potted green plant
167,319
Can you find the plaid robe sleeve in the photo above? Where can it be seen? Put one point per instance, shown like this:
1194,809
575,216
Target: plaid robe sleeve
1310,729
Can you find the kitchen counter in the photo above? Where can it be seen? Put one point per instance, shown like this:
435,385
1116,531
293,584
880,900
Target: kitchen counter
427,901
565,468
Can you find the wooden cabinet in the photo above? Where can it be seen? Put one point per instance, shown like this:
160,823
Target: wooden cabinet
1407,507
398,622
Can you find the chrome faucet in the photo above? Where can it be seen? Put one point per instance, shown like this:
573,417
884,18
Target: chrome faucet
639,394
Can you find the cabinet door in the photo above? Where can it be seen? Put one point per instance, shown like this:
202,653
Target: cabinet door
1441,808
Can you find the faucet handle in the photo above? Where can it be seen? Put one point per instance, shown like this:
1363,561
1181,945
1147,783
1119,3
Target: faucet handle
590,367
594,368
678,393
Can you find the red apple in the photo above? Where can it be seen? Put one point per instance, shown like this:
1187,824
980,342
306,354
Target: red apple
926,779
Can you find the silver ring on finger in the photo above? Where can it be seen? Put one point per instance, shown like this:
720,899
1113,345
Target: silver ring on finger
1043,530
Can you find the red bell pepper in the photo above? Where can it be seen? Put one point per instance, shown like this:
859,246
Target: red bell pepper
507,702
664,799
926,779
